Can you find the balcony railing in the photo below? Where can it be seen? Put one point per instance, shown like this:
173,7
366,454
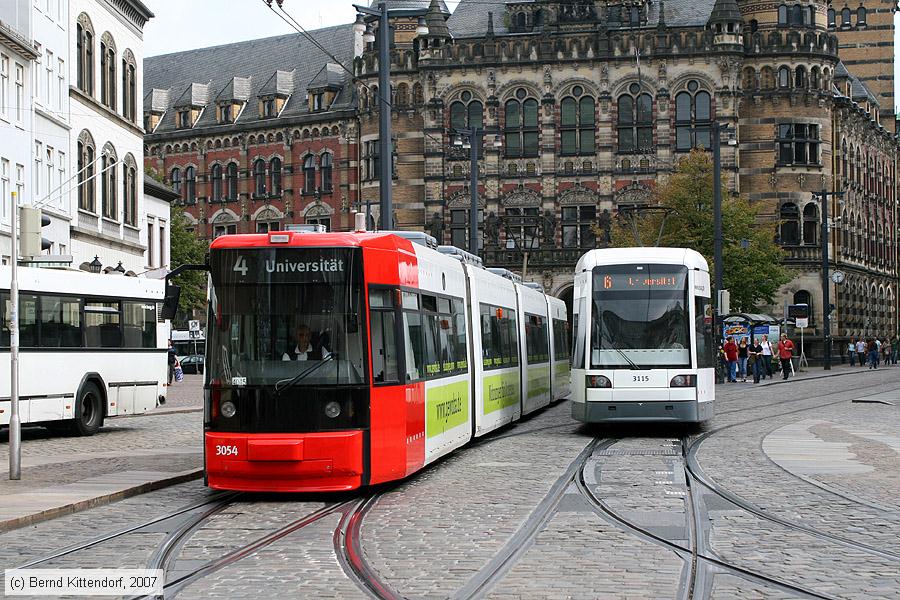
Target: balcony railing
540,257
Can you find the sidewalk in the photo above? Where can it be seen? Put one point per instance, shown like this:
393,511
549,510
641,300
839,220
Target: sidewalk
814,372
129,456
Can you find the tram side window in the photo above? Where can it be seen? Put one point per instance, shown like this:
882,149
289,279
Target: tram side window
703,326
102,325
560,340
498,337
431,325
61,322
458,336
385,363
412,332
536,339
580,324
140,324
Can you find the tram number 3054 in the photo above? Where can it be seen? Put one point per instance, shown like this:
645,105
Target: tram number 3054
226,451
635,378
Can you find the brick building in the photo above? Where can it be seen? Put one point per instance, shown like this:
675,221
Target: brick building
585,105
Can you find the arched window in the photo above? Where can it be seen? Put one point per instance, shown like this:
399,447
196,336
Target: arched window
231,181
790,224
521,20
275,176
109,167
175,178
782,15
810,224
520,130
800,77
754,25
259,177
796,15
576,125
809,17
129,86
831,18
215,174
466,113
401,96
130,204
693,118
86,182
861,16
190,185
309,174
108,71
859,178
635,120
326,166
784,77
845,18
85,54
844,158
815,78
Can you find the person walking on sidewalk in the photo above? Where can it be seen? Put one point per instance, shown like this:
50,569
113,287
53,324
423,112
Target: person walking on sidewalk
873,354
743,356
851,351
785,353
756,360
766,355
886,351
861,351
731,356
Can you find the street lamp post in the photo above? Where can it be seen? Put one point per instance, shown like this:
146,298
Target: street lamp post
826,289
385,178
718,240
474,136
15,429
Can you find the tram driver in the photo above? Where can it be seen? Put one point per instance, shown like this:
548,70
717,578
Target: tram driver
304,349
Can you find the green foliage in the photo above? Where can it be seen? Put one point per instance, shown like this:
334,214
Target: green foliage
187,249
754,274
153,174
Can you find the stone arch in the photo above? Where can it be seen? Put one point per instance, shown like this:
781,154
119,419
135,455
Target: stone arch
706,82
107,40
224,215
578,195
85,21
508,91
521,197
317,209
455,91
634,194
462,198
266,212
565,87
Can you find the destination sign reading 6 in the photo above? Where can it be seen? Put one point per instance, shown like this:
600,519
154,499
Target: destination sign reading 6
620,281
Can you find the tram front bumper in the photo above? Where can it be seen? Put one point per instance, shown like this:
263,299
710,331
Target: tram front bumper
641,404
284,462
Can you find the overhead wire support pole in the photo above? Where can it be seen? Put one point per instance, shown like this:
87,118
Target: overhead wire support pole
826,286
717,207
15,424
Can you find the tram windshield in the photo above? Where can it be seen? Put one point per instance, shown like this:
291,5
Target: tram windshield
289,315
640,317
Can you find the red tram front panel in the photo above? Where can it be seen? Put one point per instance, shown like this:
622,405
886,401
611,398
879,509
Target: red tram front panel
389,445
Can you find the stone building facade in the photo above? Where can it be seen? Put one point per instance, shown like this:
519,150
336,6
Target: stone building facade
584,106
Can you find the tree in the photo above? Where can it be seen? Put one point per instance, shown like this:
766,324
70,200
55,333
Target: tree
187,249
753,269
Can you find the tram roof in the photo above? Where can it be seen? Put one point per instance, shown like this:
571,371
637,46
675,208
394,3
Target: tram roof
299,239
617,256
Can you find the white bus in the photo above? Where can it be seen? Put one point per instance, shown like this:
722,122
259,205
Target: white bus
644,347
91,346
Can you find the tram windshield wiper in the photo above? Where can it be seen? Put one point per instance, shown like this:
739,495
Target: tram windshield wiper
625,356
286,383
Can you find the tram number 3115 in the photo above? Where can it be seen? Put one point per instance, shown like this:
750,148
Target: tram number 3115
640,378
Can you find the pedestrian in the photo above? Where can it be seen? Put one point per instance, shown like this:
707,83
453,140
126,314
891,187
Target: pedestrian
894,342
767,355
851,351
785,353
861,351
877,352
172,360
756,360
731,357
886,351
873,354
743,357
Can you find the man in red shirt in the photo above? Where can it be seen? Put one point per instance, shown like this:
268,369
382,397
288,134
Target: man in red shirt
785,353
731,356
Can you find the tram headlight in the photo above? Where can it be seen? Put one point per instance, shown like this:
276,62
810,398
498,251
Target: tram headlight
598,381
332,410
228,409
683,381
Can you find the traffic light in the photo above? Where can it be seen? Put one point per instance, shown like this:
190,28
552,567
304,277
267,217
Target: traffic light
31,243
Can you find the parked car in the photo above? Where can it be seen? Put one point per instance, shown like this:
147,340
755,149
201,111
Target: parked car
192,364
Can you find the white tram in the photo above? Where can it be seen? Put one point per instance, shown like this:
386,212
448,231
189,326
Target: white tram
643,345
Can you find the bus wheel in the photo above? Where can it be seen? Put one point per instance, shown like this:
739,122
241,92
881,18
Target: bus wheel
88,411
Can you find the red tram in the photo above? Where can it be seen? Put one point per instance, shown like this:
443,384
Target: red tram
338,360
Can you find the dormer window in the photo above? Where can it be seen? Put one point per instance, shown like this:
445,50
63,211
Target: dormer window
183,118
317,101
227,112
269,107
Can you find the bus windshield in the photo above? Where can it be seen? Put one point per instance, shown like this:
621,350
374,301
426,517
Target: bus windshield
639,317
275,313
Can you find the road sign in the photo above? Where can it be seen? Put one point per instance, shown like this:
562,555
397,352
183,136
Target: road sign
802,322
193,325
798,311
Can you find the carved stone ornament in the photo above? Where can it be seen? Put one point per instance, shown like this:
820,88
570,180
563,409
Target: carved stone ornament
521,197
636,193
578,195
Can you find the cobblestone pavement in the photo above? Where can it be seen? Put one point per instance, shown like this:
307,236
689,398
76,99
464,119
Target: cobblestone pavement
800,451
184,395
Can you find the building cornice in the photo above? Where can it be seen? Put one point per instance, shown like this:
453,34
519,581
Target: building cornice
117,119
16,42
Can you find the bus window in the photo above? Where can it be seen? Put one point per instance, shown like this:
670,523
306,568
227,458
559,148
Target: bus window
61,322
140,324
101,325
28,321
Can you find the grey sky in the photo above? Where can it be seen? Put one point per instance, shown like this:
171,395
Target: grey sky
187,24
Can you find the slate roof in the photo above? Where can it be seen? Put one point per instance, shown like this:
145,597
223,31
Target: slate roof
169,77
470,17
416,5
